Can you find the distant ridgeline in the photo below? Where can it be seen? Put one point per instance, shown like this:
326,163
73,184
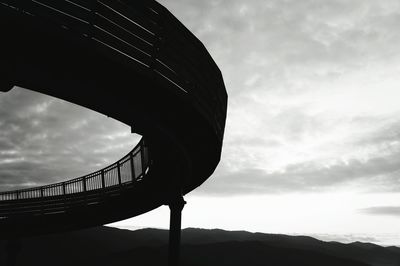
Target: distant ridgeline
109,246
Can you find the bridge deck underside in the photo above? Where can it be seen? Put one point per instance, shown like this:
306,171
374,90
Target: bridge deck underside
174,97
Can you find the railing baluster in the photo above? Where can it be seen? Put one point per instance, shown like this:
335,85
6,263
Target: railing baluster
84,183
103,183
116,174
119,173
142,158
132,167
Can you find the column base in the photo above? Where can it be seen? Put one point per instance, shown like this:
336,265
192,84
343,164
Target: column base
175,207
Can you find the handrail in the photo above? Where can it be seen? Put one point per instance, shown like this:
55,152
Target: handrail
143,34
102,49
130,168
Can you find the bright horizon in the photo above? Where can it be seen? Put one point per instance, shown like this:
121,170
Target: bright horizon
313,132
312,142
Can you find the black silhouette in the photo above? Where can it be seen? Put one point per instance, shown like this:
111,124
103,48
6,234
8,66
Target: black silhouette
135,62
12,248
110,246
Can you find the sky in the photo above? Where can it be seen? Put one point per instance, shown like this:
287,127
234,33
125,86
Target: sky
312,141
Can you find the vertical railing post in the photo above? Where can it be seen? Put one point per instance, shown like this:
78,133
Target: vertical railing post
119,173
64,197
142,157
103,183
148,154
132,167
84,183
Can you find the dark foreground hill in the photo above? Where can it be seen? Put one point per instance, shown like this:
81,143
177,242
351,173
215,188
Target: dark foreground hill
110,246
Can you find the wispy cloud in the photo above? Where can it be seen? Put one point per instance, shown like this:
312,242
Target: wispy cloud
382,210
314,83
378,174
44,140
313,101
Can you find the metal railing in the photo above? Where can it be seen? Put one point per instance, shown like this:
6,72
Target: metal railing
146,36
131,168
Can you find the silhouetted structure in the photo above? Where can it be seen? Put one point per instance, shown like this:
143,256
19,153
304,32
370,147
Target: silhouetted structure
13,247
105,246
132,61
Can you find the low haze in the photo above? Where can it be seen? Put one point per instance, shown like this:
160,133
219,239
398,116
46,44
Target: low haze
312,142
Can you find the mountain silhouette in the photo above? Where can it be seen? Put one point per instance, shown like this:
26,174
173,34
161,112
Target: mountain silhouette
110,246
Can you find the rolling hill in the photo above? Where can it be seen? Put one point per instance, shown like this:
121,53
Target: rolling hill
110,246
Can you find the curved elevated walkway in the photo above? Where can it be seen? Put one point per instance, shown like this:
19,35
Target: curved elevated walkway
132,61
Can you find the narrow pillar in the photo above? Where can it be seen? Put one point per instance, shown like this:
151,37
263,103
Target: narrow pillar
175,207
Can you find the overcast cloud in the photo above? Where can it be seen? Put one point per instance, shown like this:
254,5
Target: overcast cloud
313,102
313,90
382,210
312,138
45,140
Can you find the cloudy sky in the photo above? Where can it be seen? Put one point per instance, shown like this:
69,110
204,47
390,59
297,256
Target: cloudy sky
312,143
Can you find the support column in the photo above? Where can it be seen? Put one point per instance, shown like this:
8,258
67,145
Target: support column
175,207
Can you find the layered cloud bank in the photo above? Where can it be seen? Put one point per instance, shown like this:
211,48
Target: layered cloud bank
313,90
313,110
45,140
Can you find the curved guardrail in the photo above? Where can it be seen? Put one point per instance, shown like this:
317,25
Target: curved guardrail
149,37
115,43
129,169
146,36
